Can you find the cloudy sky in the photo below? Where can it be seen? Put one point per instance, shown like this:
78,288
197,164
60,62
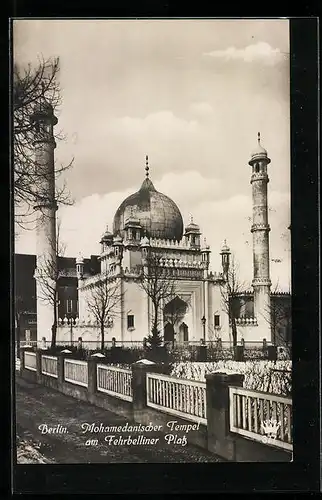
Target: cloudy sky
192,94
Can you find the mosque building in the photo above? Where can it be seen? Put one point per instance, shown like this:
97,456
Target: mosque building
149,221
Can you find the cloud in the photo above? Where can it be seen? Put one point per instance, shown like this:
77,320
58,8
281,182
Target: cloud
219,218
261,52
162,124
201,108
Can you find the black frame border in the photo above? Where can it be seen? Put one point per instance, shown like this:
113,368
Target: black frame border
302,475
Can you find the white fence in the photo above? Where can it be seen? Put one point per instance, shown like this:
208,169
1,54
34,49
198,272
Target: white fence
30,361
183,398
115,381
49,366
261,416
76,372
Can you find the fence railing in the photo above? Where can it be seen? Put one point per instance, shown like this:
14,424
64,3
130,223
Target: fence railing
115,381
183,398
76,372
49,366
260,416
30,361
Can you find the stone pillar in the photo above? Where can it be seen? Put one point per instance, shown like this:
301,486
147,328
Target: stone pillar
22,359
202,353
38,365
220,440
239,353
139,371
272,352
60,368
60,365
92,374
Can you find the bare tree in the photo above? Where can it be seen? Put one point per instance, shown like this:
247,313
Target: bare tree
32,87
278,315
158,282
103,302
48,277
230,290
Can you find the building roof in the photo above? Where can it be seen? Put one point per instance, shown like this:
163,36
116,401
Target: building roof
157,214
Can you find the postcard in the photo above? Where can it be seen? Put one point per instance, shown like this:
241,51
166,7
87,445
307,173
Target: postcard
152,264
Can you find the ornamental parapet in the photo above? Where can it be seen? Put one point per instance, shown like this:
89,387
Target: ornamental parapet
246,321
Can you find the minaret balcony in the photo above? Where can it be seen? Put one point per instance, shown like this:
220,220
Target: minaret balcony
259,176
260,227
261,281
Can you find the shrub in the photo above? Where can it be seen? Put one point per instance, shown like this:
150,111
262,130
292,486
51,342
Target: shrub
265,376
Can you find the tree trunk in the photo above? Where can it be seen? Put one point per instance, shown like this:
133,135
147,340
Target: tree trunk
54,326
53,334
234,331
102,336
155,321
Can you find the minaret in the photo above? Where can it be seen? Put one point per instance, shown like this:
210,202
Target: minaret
260,229
225,259
44,120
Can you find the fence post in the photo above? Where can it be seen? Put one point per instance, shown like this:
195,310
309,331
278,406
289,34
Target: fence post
202,353
139,371
272,352
38,365
22,359
92,375
60,367
220,441
239,353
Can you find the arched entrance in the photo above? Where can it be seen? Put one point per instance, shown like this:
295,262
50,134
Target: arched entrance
184,332
174,311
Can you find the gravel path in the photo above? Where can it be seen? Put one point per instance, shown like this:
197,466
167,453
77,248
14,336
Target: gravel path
38,405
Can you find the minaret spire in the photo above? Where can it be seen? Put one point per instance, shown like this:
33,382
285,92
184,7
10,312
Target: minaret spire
147,168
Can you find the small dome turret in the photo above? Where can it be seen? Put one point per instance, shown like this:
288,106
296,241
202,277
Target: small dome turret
80,266
259,152
107,236
192,227
205,247
145,242
117,240
225,248
80,259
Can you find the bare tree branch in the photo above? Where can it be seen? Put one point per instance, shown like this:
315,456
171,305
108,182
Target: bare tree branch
230,291
159,284
278,314
103,302
48,278
31,86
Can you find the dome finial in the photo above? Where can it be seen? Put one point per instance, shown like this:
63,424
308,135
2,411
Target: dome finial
258,137
191,219
147,166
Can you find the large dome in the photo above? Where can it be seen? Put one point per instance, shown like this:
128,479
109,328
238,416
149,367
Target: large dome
159,216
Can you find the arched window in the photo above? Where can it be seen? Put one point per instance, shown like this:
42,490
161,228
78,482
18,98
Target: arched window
256,168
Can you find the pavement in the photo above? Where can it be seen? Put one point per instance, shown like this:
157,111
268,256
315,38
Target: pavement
37,405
